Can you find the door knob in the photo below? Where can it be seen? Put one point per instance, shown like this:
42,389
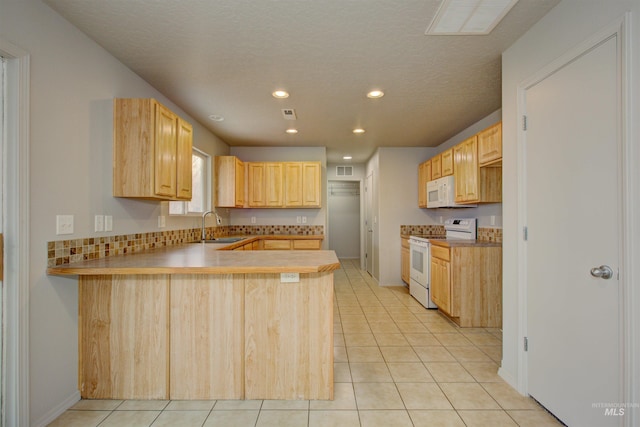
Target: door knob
603,272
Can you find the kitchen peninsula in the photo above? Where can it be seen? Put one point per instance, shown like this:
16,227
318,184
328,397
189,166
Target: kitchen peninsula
195,322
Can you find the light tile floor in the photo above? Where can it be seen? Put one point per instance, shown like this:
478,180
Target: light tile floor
396,364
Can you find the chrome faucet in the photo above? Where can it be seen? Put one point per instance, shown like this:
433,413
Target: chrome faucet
204,215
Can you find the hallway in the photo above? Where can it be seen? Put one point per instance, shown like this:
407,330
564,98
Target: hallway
396,364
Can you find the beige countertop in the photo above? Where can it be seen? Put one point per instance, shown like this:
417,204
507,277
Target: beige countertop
450,243
206,258
443,241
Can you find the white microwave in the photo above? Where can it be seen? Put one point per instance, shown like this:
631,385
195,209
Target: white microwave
441,193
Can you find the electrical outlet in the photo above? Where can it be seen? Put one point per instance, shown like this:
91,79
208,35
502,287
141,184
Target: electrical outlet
98,223
304,219
289,277
253,220
64,224
108,223
493,220
299,219
162,221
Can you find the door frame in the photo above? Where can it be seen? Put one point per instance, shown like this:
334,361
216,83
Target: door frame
16,237
361,214
369,238
621,29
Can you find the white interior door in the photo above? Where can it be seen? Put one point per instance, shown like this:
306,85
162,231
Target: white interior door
573,218
368,226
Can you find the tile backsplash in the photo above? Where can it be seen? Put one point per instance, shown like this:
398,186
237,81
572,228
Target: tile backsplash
423,230
74,250
486,234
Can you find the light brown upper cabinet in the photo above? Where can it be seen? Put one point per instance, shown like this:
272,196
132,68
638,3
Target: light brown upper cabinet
184,172
424,176
447,162
436,167
264,181
465,157
476,164
293,184
490,145
268,184
302,184
229,182
477,183
311,185
151,151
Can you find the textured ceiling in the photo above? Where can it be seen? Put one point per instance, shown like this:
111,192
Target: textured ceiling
226,57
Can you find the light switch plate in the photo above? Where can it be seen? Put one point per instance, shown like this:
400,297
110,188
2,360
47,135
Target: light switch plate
162,222
108,223
64,224
98,223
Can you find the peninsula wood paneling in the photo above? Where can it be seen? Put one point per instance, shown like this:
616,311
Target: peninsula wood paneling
124,339
289,337
207,340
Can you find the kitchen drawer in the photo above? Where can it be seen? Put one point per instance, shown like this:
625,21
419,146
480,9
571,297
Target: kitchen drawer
276,244
306,244
440,253
405,243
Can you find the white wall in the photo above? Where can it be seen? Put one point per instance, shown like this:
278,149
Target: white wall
565,27
73,81
398,204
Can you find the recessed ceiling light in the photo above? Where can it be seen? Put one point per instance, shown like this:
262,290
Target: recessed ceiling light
375,94
358,130
347,157
468,17
216,118
292,131
280,94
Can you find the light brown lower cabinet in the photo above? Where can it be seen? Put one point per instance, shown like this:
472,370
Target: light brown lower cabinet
206,350
123,337
466,284
285,244
190,336
405,260
288,337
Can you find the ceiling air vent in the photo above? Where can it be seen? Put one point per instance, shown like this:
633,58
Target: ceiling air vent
344,170
289,113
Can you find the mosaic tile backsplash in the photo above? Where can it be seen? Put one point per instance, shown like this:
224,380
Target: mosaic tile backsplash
74,250
486,234
423,230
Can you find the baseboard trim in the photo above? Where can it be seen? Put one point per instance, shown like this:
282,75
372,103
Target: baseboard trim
58,410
